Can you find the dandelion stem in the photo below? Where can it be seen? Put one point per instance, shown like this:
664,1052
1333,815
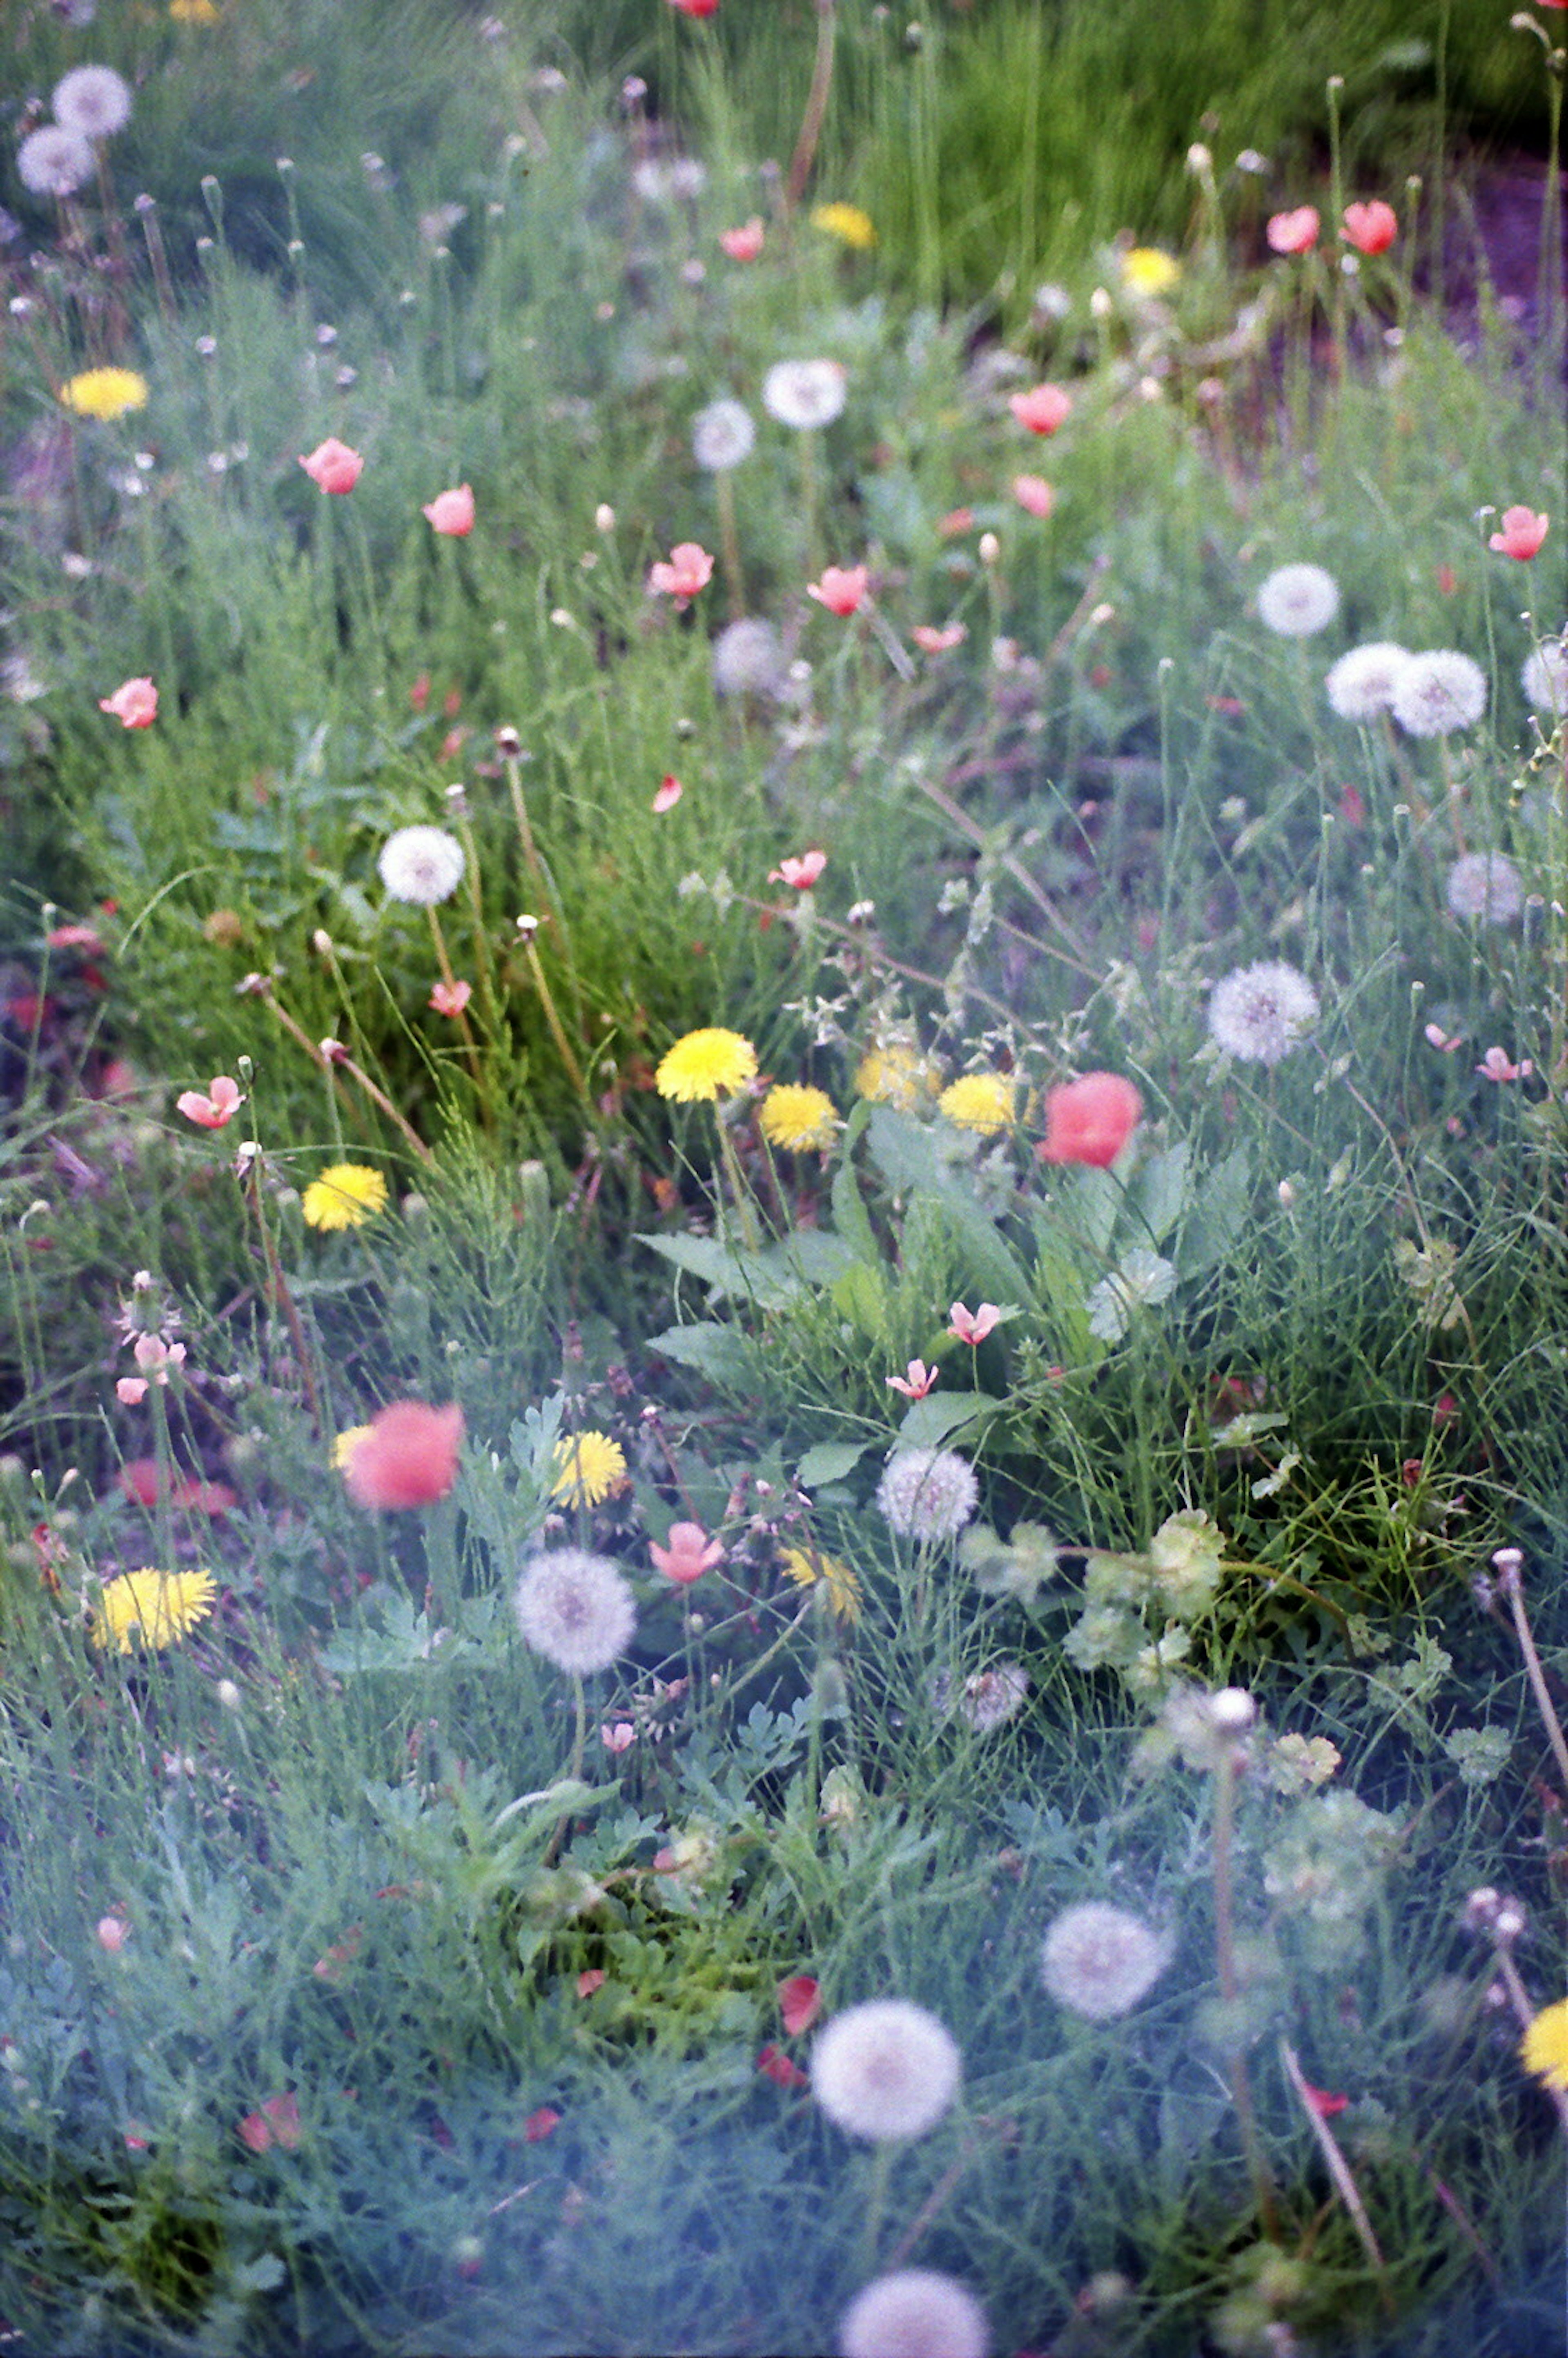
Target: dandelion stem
343,1061
817,98
876,2205
737,1186
1230,1991
524,832
1513,1589
730,543
557,1030
1338,2170
471,1045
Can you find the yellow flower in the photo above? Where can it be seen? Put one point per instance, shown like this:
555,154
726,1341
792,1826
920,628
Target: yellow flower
847,224
897,1076
104,393
797,1118
983,1101
345,1196
806,1567
1146,271
347,1442
193,12
157,1606
590,1466
702,1063
1544,2046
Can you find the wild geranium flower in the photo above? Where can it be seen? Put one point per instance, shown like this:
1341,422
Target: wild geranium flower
797,1118
588,1468
1042,408
972,1326
927,1494
333,467
917,1381
450,998
575,1609
1298,601
1033,495
213,1108
808,1566
847,224
421,866
885,2070
801,873
1487,885
618,1736
1260,1013
933,641
1370,228
982,1101
1361,684
1293,232
407,1456
345,1195
1544,677
134,704
1522,534
914,2313
841,589
451,512
722,435
689,1554
1089,1121
703,1064
744,245
104,393
1544,2047
158,1607
806,394
1438,692
1099,1960
689,569
55,162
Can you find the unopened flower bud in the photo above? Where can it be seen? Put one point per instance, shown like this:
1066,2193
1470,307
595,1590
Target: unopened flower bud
604,517
1232,1711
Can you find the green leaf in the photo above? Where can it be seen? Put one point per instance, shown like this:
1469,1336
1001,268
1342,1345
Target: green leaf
904,1151
851,1216
860,1294
931,1420
830,1461
719,1353
1218,1216
1160,1192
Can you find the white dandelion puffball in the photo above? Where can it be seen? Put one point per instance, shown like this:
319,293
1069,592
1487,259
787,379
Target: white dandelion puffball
991,1697
748,660
421,865
1438,692
927,1494
575,1609
54,162
1361,684
722,434
1544,677
1298,601
914,2313
886,2070
1260,1013
804,394
1099,1961
92,101
1486,884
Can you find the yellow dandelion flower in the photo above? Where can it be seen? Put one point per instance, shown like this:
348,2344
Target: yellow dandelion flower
1544,2046
797,1118
897,1076
346,1196
104,393
847,224
1145,271
347,1442
589,1468
982,1101
806,1567
193,12
701,1064
155,1606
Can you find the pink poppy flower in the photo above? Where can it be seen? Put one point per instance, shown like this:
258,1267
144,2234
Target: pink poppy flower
972,1326
1371,229
215,1109
332,466
689,569
134,704
538,2126
801,874
916,1381
800,2002
1090,1120
1041,409
743,244
407,1458
934,642
669,793
277,2122
450,998
1293,232
451,511
1033,495
778,2066
689,1555
841,588
1522,534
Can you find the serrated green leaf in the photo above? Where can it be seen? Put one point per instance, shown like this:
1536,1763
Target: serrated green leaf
830,1461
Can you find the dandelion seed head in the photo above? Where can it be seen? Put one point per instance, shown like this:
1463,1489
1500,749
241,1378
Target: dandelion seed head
1298,601
1361,684
54,162
722,434
748,660
575,1609
806,394
1487,885
886,2070
927,1494
1544,677
92,101
1437,692
1099,1960
914,2313
421,865
1258,1014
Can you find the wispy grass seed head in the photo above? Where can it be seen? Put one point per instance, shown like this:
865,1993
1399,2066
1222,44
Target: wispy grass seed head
914,2313
886,2070
575,1609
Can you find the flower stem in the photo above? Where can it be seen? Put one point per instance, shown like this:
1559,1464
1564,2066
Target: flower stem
1512,1588
816,96
1230,1991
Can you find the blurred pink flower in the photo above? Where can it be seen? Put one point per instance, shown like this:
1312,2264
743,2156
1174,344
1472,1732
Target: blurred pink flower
277,2122
214,1110
743,244
110,1933
332,466
1522,534
689,569
916,1381
1371,229
131,1390
1041,409
1293,232
451,512
972,1326
669,793
1496,1067
617,1737
1089,1121
841,588
450,998
800,2002
155,1357
1034,495
934,642
801,874
134,703
689,1555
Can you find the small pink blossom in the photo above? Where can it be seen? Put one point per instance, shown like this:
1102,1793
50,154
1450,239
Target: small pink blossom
215,1109
689,569
539,2124
1522,534
972,1326
277,2122
1033,495
450,998
934,642
332,466
841,588
669,793
1494,1066
155,1358
75,937
743,244
800,2003
110,1933
616,1737
1371,229
1042,408
1444,1042
1294,233
801,874
131,1390
916,1381
781,2069
451,512
134,704
689,1555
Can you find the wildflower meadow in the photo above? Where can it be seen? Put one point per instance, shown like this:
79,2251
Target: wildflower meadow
783,1190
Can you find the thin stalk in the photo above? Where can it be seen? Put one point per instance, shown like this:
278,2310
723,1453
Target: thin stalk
280,1296
1337,198
152,235
341,1060
1513,1589
1230,1991
524,832
729,543
558,1030
817,98
876,2205
471,1045
737,1186
1338,2170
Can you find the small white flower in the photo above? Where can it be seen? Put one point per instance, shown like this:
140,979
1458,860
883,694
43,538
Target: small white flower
1486,884
1544,677
1438,692
575,1609
1142,1277
748,660
1099,1960
1260,1013
886,2070
927,1494
54,162
914,2313
92,101
421,865
1298,601
722,434
1361,684
804,394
